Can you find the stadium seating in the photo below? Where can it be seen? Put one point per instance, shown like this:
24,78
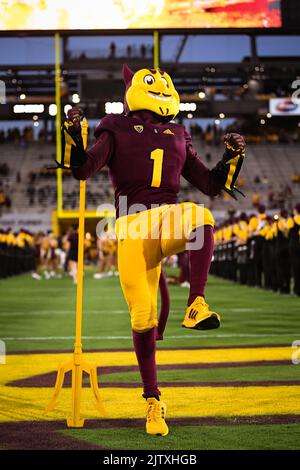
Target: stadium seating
32,188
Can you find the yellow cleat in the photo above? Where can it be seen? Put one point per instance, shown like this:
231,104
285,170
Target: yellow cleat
199,317
155,421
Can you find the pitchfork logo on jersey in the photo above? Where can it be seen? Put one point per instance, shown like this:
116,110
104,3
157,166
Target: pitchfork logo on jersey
139,129
167,131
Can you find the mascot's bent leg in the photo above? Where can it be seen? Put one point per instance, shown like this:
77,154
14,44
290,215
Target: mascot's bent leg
196,224
197,315
140,282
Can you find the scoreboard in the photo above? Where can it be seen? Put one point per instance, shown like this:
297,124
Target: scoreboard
40,15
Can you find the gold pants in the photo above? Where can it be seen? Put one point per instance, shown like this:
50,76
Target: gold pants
144,239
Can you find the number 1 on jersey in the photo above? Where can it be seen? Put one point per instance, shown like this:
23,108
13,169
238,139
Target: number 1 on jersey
157,155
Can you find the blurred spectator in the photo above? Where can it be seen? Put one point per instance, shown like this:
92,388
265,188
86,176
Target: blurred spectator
295,178
271,198
208,135
280,198
31,195
256,199
288,196
4,169
129,51
208,157
112,48
5,201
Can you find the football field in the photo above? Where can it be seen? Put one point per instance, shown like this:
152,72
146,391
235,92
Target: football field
231,388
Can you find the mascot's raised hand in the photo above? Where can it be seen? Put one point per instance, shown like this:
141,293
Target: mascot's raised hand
228,169
74,139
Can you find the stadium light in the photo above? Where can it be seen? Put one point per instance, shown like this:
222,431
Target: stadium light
23,96
217,122
262,121
36,123
187,107
116,107
67,108
189,115
201,95
28,108
52,110
221,115
269,115
75,98
35,117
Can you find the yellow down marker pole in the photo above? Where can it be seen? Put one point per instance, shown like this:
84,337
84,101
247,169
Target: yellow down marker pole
77,370
75,420
58,124
156,49
78,364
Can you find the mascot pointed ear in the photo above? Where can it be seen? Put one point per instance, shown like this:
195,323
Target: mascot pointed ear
127,74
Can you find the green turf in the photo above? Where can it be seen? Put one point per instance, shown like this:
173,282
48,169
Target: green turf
231,374
39,315
236,437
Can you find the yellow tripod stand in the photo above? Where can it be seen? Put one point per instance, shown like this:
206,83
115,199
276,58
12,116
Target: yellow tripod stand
78,364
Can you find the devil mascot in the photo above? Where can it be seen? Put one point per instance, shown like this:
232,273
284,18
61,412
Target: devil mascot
146,153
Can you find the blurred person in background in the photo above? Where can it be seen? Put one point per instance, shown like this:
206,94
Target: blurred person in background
39,259
53,260
107,256
283,262
72,252
293,224
256,199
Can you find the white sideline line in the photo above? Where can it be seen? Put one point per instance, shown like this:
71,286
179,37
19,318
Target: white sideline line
108,311
63,312
52,338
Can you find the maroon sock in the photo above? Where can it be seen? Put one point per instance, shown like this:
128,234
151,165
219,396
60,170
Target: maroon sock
200,263
164,306
145,348
184,265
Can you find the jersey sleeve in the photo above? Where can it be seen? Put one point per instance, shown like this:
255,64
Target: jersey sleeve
197,173
98,155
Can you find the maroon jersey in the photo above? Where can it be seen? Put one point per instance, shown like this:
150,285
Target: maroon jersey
145,159
73,239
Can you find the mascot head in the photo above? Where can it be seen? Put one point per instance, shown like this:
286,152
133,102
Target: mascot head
150,89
